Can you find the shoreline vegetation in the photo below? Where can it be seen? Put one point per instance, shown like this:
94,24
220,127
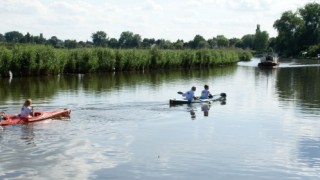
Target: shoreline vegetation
38,60
29,55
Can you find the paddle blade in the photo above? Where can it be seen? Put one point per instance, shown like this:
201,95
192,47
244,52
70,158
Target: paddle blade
223,94
179,92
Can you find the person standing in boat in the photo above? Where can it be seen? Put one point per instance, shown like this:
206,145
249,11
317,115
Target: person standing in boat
205,94
26,110
190,94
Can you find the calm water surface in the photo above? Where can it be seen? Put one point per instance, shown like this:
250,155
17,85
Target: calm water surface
122,126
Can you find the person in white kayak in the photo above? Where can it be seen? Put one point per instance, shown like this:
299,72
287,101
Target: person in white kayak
190,94
205,94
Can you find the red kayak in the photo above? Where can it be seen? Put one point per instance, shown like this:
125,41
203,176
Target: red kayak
38,116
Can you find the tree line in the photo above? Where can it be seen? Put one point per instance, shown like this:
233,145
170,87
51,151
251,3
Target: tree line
128,40
298,34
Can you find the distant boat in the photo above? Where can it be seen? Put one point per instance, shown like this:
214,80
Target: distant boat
269,60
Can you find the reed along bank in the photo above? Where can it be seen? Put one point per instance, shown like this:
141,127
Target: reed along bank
36,60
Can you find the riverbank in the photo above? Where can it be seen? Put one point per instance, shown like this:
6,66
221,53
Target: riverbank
34,60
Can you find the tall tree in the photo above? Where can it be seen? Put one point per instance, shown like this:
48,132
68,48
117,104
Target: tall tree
234,42
178,44
13,36
125,39
260,42
213,43
247,41
2,38
39,39
99,39
164,44
70,44
311,17
147,43
113,43
222,41
55,42
289,28
28,38
129,40
199,42
136,41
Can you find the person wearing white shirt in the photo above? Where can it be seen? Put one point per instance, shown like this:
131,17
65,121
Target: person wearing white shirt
26,110
205,94
190,94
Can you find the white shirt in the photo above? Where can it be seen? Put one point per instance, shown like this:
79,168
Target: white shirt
25,111
189,95
205,94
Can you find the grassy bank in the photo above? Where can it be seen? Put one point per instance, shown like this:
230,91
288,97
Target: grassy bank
32,60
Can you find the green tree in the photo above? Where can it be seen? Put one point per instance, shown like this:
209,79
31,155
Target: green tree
28,38
247,41
213,43
55,42
222,41
70,44
113,43
178,44
2,38
234,42
39,39
289,28
147,43
311,17
164,44
136,41
99,39
260,42
129,40
199,42
13,36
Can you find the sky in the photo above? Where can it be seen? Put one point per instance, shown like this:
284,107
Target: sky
159,19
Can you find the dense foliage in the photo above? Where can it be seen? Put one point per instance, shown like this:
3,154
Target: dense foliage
299,32
25,60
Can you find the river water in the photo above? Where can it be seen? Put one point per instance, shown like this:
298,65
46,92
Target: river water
122,126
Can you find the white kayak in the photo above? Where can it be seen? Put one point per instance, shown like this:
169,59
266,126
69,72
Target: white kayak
219,97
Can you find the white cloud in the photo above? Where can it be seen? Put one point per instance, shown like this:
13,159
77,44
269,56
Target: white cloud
151,5
171,20
21,7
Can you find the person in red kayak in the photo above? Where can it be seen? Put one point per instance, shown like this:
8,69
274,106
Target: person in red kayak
26,110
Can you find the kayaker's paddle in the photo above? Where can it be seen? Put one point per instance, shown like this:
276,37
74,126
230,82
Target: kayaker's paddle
179,92
221,94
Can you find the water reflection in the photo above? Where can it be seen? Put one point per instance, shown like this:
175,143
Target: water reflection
195,108
205,108
309,152
27,134
41,88
301,85
192,109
